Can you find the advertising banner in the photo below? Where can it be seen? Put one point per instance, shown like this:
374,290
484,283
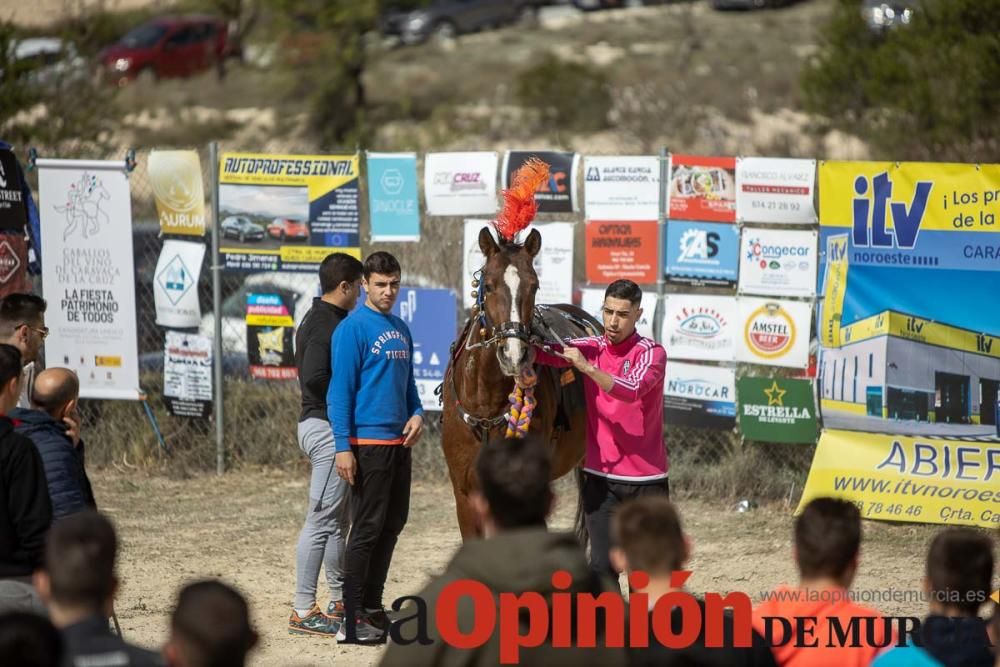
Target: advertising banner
14,263
270,336
622,250
89,276
775,190
175,287
461,183
432,316
13,214
178,191
621,188
553,264
701,253
778,262
287,212
392,196
187,375
777,409
909,271
774,333
700,327
592,301
558,195
702,396
911,479
702,188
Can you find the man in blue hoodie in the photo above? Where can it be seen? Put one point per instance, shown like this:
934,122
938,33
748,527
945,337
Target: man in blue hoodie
375,413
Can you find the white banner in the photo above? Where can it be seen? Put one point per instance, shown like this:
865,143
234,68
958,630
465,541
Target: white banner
700,382
187,374
461,183
554,263
774,333
779,262
89,275
779,190
592,301
699,327
175,284
622,188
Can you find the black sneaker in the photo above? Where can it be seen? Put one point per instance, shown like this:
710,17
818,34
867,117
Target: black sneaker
379,618
364,633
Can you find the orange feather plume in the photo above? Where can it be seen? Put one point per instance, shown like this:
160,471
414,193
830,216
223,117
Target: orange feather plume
519,205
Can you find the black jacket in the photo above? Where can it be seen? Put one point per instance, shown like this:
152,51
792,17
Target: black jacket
25,509
90,642
69,488
312,356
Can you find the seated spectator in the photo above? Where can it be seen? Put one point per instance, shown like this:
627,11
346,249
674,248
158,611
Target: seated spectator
54,399
25,510
958,577
78,584
518,554
648,538
827,544
29,640
210,627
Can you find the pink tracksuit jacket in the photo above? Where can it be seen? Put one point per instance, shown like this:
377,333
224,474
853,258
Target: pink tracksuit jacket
624,425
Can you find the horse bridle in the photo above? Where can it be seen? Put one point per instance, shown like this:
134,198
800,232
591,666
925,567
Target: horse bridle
518,330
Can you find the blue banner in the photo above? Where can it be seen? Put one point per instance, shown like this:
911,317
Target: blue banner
432,316
392,197
701,253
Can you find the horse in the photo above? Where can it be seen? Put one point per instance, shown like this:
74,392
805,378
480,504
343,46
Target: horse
495,347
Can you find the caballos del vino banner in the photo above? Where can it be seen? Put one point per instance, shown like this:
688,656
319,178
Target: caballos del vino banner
88,274
910,335
287,212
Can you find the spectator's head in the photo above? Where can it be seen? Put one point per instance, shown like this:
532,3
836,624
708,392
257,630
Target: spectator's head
29,640
22,324
340,279
10,377
382,279
648,537
828,540
959,571
514,484
210,627
78,579
56,392
621,309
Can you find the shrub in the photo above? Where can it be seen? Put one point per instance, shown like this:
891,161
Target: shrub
570,96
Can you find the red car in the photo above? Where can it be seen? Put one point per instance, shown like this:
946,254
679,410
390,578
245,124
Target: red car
169,46
287,228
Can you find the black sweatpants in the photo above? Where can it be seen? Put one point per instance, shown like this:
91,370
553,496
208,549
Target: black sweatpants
601,497
380,504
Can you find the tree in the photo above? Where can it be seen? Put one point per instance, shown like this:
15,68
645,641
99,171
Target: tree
927,90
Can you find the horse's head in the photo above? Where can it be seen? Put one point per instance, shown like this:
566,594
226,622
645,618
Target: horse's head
509,284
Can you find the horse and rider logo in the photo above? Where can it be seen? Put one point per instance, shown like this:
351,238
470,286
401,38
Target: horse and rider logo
83,207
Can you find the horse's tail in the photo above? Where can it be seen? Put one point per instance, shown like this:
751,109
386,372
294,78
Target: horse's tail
580,523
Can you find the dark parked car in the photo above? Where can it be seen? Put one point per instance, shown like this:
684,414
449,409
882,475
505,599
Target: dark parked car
240,227
749,4
593,5
447,18
169,46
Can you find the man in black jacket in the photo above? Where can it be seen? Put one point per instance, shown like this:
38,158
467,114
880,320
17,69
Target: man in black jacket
78,584
54,398
321,541
25,510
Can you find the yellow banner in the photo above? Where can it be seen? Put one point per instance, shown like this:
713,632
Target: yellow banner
834,290
312,254
320,173
270,321
901,478
922,331
914,196
178,191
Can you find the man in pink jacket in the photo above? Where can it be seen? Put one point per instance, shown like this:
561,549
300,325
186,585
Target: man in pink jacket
626,456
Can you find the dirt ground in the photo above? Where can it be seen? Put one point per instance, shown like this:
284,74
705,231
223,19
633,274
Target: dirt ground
242,528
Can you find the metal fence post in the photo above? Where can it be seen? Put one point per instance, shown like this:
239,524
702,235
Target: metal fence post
661,242
219,394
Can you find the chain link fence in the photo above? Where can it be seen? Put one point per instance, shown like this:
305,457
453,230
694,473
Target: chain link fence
260,416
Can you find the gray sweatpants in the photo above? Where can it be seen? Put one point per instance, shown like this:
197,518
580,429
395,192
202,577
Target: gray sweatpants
321,541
